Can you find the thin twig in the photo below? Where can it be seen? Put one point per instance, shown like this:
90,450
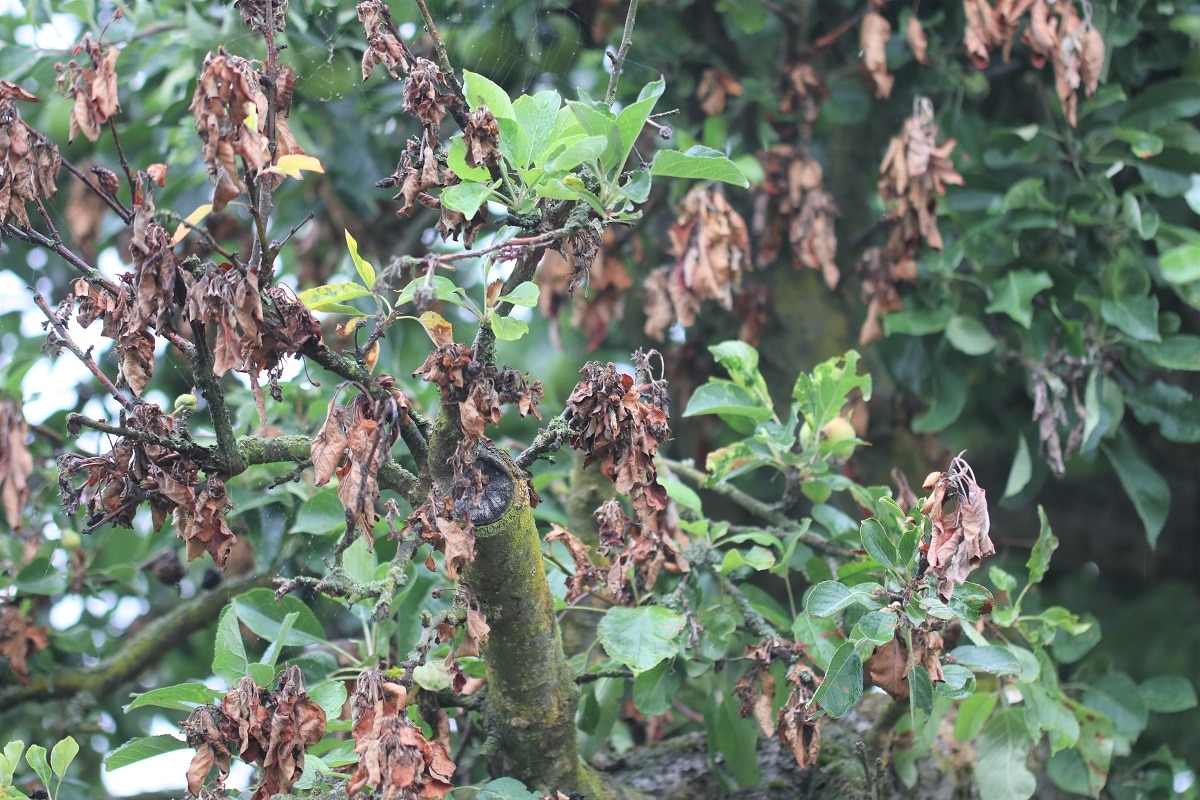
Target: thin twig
549,439
111,201
192,450
618,60
539,240
84,357
591,677
275,247
232,258
30,236
838,32
755,506
112,127
438,46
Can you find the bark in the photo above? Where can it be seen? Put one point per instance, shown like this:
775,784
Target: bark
531,697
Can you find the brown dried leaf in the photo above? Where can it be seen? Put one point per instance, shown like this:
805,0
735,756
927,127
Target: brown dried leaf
715,85
613,425
960,538
982,33
482,137
383,45
711,244
798,730
872,41
917,40
1091,59
888,667
330,443
756,692
19,638
16,463
585,572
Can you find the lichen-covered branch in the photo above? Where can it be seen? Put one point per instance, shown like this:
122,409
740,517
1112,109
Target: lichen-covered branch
267,450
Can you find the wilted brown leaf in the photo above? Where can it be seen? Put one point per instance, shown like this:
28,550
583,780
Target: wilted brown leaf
715,86
982,33
330,443
204,732
1091,59
917,40
423,96
384,46
16,463
612,424
804,91
585,571
230,110
482,137
394,756
960,538
872,41
1041,35
888,667
798,730
94,89
19,638
29,163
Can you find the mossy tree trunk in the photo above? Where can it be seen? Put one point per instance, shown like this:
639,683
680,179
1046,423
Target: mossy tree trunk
529,713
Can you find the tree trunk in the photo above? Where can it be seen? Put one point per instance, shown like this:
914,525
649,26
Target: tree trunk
531,696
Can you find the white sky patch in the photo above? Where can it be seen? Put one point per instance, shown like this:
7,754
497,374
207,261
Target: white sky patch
60,33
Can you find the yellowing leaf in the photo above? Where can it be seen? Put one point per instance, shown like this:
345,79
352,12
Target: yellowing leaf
372,356
292,165
192,220
365,270
348,327
439,330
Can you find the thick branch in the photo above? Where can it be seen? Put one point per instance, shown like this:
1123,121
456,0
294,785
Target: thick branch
137,653
194,451
265,450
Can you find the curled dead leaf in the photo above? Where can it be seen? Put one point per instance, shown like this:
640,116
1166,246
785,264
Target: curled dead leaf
872,41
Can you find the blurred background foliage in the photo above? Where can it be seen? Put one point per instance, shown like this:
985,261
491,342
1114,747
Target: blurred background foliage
1070,272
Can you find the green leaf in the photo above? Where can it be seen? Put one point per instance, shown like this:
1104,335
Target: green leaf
330,696
466,198
508,329
968,335
829,597
734,737
720,396
259,611
322,513
505,789
181,697
1104,407
640,637
456,160
1142,143
1146,488
1028,193
365,270
973,714
1021,471
1162,103
921,691
1167,694
537,114
39,576
35,756
229,654
1084,769
878,544
1136,317
599,122
843,683
9,761
698,163
514,143
948,398
1003,748
1181,264
987,658
141,748
1014,294
1180,352
1045,711
632,118
525,294
578,150
821,395
877,627
1043,549
319,298
1172,408
959,683
1117,697
655,688
482,92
